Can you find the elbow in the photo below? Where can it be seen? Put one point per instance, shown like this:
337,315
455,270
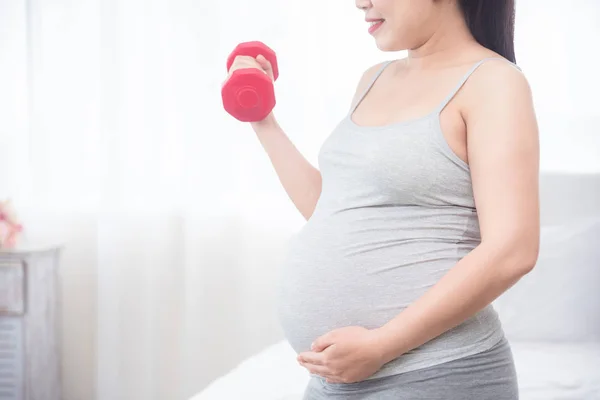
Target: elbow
528,260
524,256
516,257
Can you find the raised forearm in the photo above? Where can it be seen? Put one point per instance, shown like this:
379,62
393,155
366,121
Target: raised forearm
300,179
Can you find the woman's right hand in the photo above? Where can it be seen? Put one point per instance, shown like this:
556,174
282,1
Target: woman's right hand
260,63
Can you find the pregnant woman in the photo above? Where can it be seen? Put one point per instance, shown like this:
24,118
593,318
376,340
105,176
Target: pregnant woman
424,209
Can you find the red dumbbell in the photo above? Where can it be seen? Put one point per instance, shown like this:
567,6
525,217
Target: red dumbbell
248,94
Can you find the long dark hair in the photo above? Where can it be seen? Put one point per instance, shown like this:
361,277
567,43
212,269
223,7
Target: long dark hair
492,23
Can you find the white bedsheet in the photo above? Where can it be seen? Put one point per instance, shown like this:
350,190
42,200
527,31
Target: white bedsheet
546,371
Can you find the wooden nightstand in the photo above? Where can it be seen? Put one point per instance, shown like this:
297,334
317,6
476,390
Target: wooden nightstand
29,324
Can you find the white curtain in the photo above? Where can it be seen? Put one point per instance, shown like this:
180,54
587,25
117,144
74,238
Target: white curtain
113,142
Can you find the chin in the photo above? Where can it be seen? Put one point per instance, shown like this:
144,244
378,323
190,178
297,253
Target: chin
385,43
388,46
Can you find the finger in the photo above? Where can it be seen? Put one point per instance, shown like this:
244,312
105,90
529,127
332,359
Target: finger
265,65
317,369
242,58
245,62
322,342
311,358
263,62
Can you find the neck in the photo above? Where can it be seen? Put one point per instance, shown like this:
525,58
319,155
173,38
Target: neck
443,48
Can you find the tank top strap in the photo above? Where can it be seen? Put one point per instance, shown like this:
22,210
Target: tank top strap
370,85
464,79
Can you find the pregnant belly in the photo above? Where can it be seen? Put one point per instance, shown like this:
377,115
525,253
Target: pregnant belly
337,276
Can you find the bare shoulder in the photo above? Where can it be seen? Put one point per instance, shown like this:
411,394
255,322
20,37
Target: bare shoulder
365,79
370,73
498,83
499,104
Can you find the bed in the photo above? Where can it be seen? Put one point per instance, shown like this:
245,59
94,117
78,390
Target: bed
552,317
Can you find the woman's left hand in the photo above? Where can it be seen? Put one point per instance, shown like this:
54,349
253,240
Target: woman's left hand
345,355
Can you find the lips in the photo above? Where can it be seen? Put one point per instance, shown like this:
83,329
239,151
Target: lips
375,24
375,21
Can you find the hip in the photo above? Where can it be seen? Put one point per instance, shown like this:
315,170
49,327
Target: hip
487,375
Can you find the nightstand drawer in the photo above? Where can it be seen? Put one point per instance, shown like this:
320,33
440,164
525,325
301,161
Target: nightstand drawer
12,287
29,330
12,382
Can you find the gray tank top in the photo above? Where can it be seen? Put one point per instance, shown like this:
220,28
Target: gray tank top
396,212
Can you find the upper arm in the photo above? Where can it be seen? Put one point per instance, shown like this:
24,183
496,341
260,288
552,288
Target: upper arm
503,152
